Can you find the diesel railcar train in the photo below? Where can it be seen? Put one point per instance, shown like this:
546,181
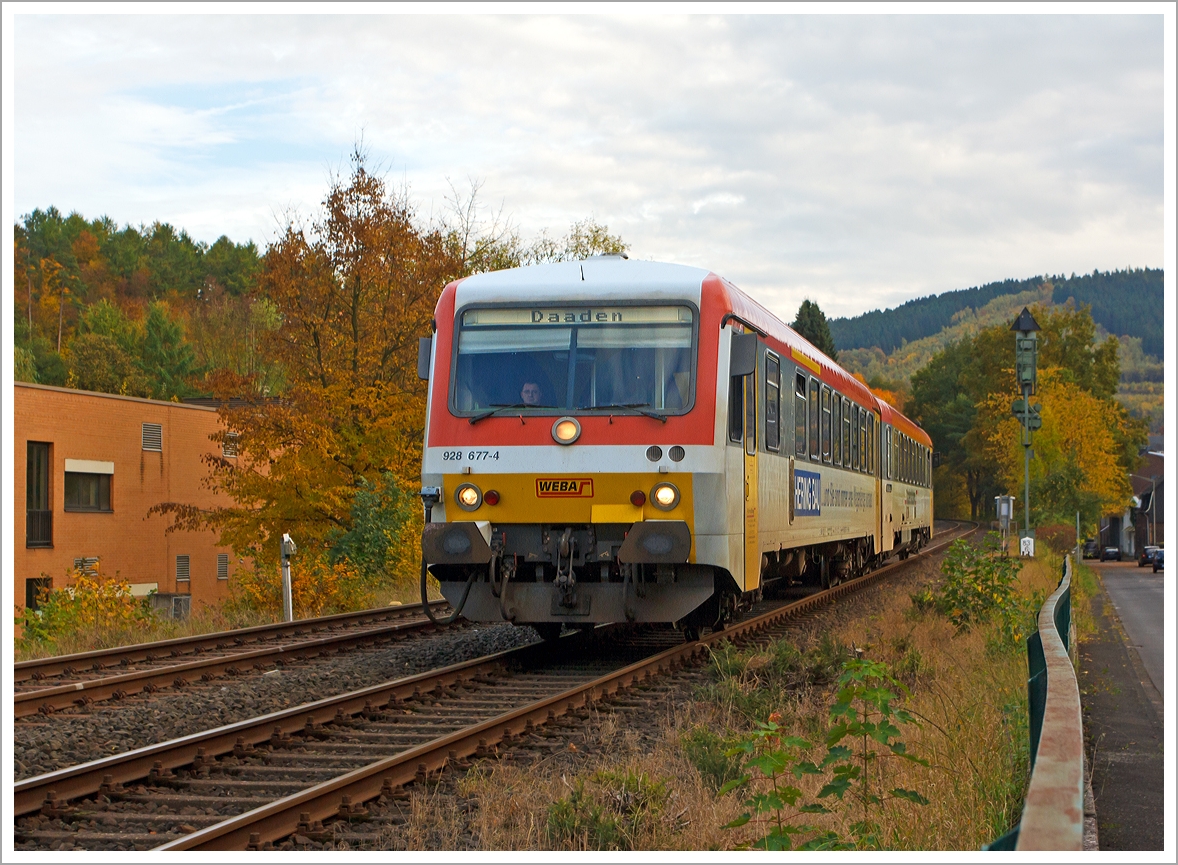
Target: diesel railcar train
611,440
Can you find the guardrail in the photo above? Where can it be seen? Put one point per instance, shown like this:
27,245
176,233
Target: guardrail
1053,813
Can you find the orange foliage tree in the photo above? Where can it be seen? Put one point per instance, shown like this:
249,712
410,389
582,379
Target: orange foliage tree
353,292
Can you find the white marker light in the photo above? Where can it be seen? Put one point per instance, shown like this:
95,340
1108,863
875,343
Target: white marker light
664,496
468,497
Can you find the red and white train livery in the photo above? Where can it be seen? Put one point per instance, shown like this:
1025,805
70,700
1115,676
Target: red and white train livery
611,440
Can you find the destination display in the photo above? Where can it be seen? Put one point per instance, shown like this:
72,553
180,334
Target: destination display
577,315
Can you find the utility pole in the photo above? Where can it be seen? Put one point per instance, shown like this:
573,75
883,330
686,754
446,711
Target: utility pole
1026,351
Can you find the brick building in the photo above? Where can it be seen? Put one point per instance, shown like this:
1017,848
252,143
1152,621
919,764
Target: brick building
88,468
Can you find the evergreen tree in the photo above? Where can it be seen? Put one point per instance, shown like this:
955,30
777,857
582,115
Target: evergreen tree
811,323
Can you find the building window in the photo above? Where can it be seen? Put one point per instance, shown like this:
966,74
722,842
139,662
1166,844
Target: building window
38,510
222,566
229,445
87,566
36,590
183,569
87,492
153,437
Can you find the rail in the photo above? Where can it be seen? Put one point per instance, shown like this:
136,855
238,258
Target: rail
1053,813
50,792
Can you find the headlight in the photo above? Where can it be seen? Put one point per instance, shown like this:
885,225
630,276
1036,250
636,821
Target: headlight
664,496
468,497
566,430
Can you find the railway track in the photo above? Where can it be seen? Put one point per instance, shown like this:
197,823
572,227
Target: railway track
246,785
47,685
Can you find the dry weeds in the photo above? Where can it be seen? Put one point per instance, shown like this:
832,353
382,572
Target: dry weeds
970,700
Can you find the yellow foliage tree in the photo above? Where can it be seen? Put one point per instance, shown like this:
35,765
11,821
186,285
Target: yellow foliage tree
1075,465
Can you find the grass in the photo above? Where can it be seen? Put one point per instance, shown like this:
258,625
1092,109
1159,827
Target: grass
653,784
207,619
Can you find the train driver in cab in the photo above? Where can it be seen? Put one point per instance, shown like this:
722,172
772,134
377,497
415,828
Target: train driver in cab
530,394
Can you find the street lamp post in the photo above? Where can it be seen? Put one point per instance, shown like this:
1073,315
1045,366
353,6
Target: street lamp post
1026,350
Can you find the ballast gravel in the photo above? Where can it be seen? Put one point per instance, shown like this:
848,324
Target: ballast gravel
43,745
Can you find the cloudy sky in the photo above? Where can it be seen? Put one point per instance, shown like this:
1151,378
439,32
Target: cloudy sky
857,160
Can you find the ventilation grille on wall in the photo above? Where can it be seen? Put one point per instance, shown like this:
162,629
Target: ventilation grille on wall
222,566
182,569
88,565
153,437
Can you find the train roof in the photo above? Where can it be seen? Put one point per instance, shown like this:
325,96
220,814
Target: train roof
598,278
606,277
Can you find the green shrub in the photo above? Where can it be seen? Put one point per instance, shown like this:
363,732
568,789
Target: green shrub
707,751
615,811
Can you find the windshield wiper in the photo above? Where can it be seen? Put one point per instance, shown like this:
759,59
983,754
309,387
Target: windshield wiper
497,407
642,408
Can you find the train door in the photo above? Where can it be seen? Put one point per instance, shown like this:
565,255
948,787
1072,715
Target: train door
752,548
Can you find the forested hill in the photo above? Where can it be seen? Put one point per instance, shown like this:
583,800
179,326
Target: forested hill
1124,302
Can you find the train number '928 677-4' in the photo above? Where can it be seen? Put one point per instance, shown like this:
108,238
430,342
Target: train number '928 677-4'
654,447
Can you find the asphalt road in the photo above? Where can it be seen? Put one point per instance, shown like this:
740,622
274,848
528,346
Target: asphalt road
1137,595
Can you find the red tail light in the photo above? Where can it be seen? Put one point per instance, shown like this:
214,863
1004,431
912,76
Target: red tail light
638,498
491,497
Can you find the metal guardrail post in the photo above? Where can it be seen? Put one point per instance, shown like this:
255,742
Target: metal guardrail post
1053,813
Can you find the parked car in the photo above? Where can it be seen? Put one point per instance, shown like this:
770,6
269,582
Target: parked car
1110,554
1091,550
1157,560
1145,557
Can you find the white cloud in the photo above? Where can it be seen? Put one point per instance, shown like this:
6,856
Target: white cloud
860,161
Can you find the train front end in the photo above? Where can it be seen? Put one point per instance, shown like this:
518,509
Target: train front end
564,429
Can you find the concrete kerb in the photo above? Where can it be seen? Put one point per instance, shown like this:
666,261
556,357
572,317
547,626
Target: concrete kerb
1053,815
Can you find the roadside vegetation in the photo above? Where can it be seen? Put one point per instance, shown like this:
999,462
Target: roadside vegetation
904,729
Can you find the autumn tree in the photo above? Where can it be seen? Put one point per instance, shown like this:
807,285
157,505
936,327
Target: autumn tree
811,323
354,291
962,398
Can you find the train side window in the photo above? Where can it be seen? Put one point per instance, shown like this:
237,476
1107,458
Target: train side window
836,423
855,436
735,409
772,402
871,442
750,407
846,433
800,414
863,440
815,419
825,424
887,456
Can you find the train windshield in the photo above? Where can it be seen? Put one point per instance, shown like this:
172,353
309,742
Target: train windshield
564,359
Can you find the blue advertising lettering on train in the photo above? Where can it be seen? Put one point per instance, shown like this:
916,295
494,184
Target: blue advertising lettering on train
807,494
